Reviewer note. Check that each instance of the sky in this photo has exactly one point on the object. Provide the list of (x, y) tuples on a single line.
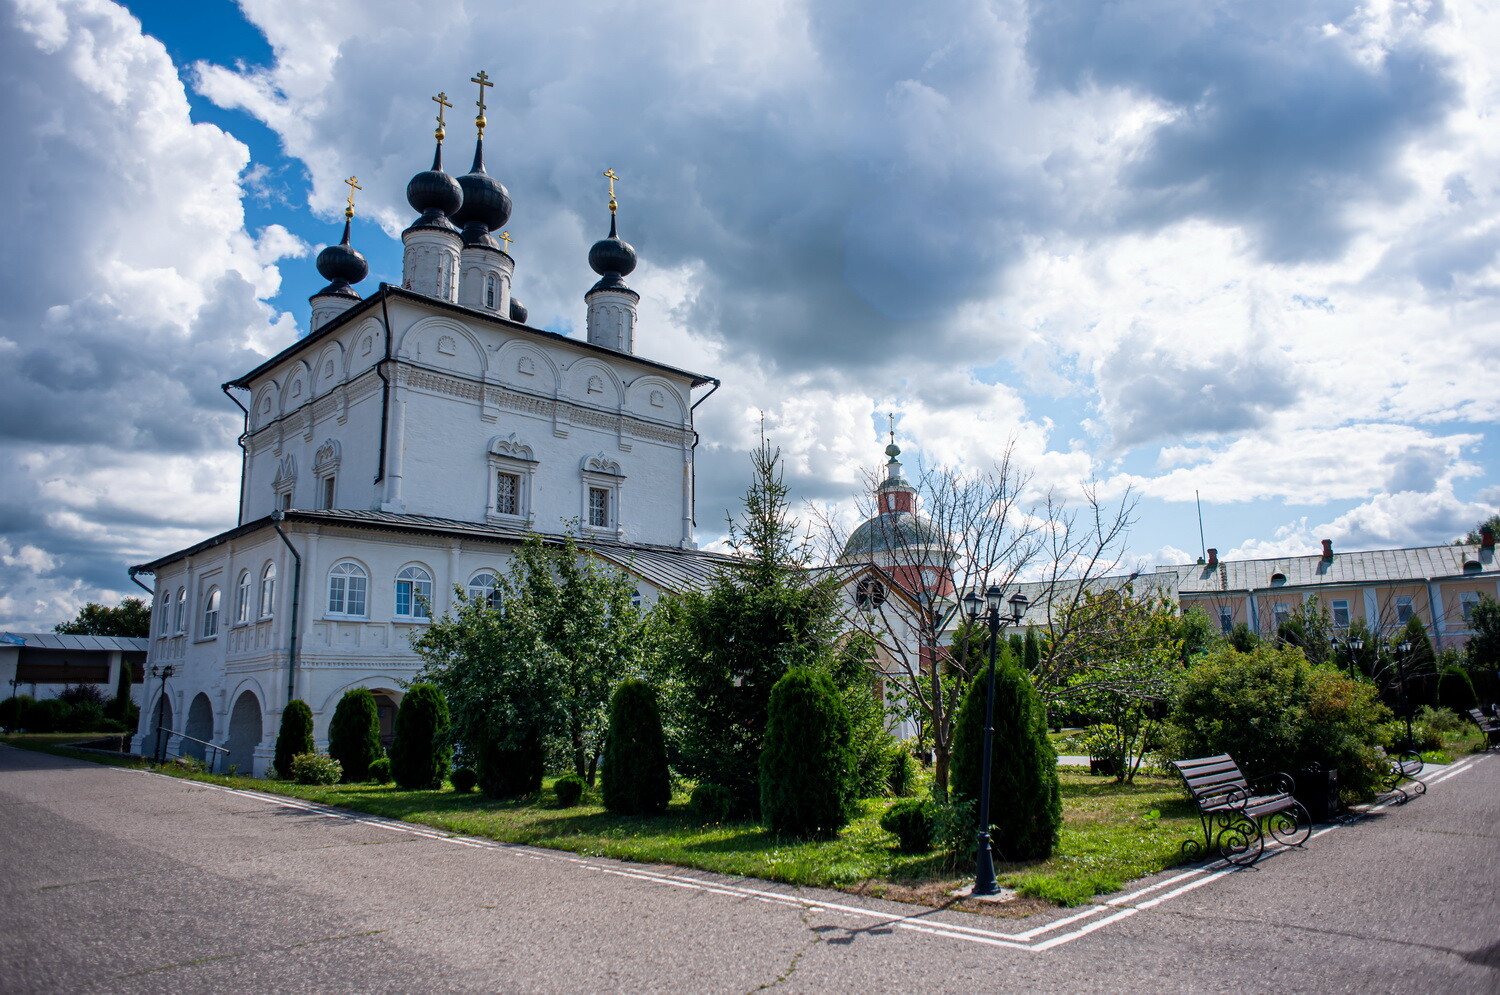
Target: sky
[(1240, 250)]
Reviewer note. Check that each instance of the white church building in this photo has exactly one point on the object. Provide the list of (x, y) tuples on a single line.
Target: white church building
[(406, 446)]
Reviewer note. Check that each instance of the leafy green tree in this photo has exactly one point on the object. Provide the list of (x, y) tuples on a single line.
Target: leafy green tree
[(807, 765), (420, 751), (1197, 633), (1309, 627), (354, 734), (131, 617), (636, 778), (1472, 537), (723, 649), (1243, 638), (295, 736), (1455, 690), (1025, 802), (875, 749), (1482, 654)]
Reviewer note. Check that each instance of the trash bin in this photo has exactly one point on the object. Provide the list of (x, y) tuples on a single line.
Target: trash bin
[(1318, 791)]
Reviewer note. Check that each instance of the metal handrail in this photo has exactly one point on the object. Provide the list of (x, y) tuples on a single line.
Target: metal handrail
[(193, 739)]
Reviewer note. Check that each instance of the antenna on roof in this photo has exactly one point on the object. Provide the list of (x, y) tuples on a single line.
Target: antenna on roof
[(1202, 542)]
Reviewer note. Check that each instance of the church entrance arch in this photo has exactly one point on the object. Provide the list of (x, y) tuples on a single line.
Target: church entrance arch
[(200, 725), (244, 732), (161, 726), (387, 701)]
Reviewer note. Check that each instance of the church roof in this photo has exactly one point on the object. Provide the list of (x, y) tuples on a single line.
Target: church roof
[(387, 290), (891, 530)]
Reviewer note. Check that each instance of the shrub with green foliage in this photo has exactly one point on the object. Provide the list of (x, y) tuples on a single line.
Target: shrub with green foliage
[(354, 734), (568, 790), (1455, 690), (712, 802), (901, 770), (464, 779), (636, 778), (295, 736), (1025, 803), (13, 711), (119, 706), (510, 771), (1272, 710), (380, 771), (48, 715), (911, 821), (807, 766), (421, 751), (316, 768)]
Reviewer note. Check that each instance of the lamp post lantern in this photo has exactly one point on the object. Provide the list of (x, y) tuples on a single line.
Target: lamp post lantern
[(984, 861), (161, 709), (1402, 649)]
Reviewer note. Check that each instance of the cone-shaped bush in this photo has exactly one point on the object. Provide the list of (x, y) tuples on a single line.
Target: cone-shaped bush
[(420, 751), (1455, 690), (636, 779), (119, 705), (295, 737), (354, 734), (807, 765), (1025, 806)]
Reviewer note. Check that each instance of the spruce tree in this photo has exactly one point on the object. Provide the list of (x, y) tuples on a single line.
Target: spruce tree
[(807, 766), (119, 705), (354, 734), (420, 751), (636, 778), (1025, 804), (295, 736), (1031, 653)]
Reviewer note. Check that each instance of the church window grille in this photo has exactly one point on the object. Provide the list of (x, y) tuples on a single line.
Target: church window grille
[(268, 590), (507, 491), (869, 594), (489, 292), (181, 619), (242, 599), (347, 585), (211, 614), (482, 587), (599, 507), (414, 593)]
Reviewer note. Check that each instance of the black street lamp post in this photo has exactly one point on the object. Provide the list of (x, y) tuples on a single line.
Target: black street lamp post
[(161, 708), (984, 861), (1402, 649)]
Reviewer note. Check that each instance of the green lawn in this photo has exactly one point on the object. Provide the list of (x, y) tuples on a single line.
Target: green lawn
[(1112, 833)]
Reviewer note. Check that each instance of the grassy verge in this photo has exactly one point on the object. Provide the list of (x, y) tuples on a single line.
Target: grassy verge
[(1111, 834)]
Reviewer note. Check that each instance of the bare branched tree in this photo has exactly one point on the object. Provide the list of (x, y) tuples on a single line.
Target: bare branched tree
[(923, 544)]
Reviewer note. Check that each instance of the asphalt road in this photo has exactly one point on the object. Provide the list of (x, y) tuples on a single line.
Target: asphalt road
[(118, 881)]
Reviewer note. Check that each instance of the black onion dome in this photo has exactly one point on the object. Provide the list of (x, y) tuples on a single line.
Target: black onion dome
[(341, 265), (518, 312), (486, 202), (434, 194), (612, 258)]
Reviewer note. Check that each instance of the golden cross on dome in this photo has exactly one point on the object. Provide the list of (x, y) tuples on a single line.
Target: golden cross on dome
[(891, 420), (613, 204), (442, 102), (483, 80), (505, 237), (353, 186)]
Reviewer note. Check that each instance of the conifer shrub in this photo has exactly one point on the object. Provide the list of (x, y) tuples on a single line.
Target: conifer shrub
[(568, 789), (354, 734), (901, 770), (911, 821), (295, 736), (807, 764), (464, 779), (380, 771), (48, 715), (13, 712), (712, 802), (316, 768), (1455, 690), (635, 774), (511, 771), (119, 705), (1025, 802), (421, 752)]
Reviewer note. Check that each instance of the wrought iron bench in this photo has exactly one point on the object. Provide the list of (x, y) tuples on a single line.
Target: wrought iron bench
[(1406, 765), (1236, 814), (1490, 727)]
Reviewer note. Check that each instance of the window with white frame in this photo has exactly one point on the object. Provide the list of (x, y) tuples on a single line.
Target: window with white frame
[(1404, 608), (242, 599), (347, 586), (181, 620), (1341, 614), (414, 593), (326, 466), (210, 627), (1467, 602), (268, 590), (1280, 612), (601, 479), (1226, 618), (483, 587), (635, 599), (512, 467)]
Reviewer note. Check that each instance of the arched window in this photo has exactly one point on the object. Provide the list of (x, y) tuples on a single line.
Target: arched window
[(346, 589), (268, 590), (181, 620), (211, 614), (489, 291), (482, 586), (242, 599), (869, 593), (414, 593), (635, 598)]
